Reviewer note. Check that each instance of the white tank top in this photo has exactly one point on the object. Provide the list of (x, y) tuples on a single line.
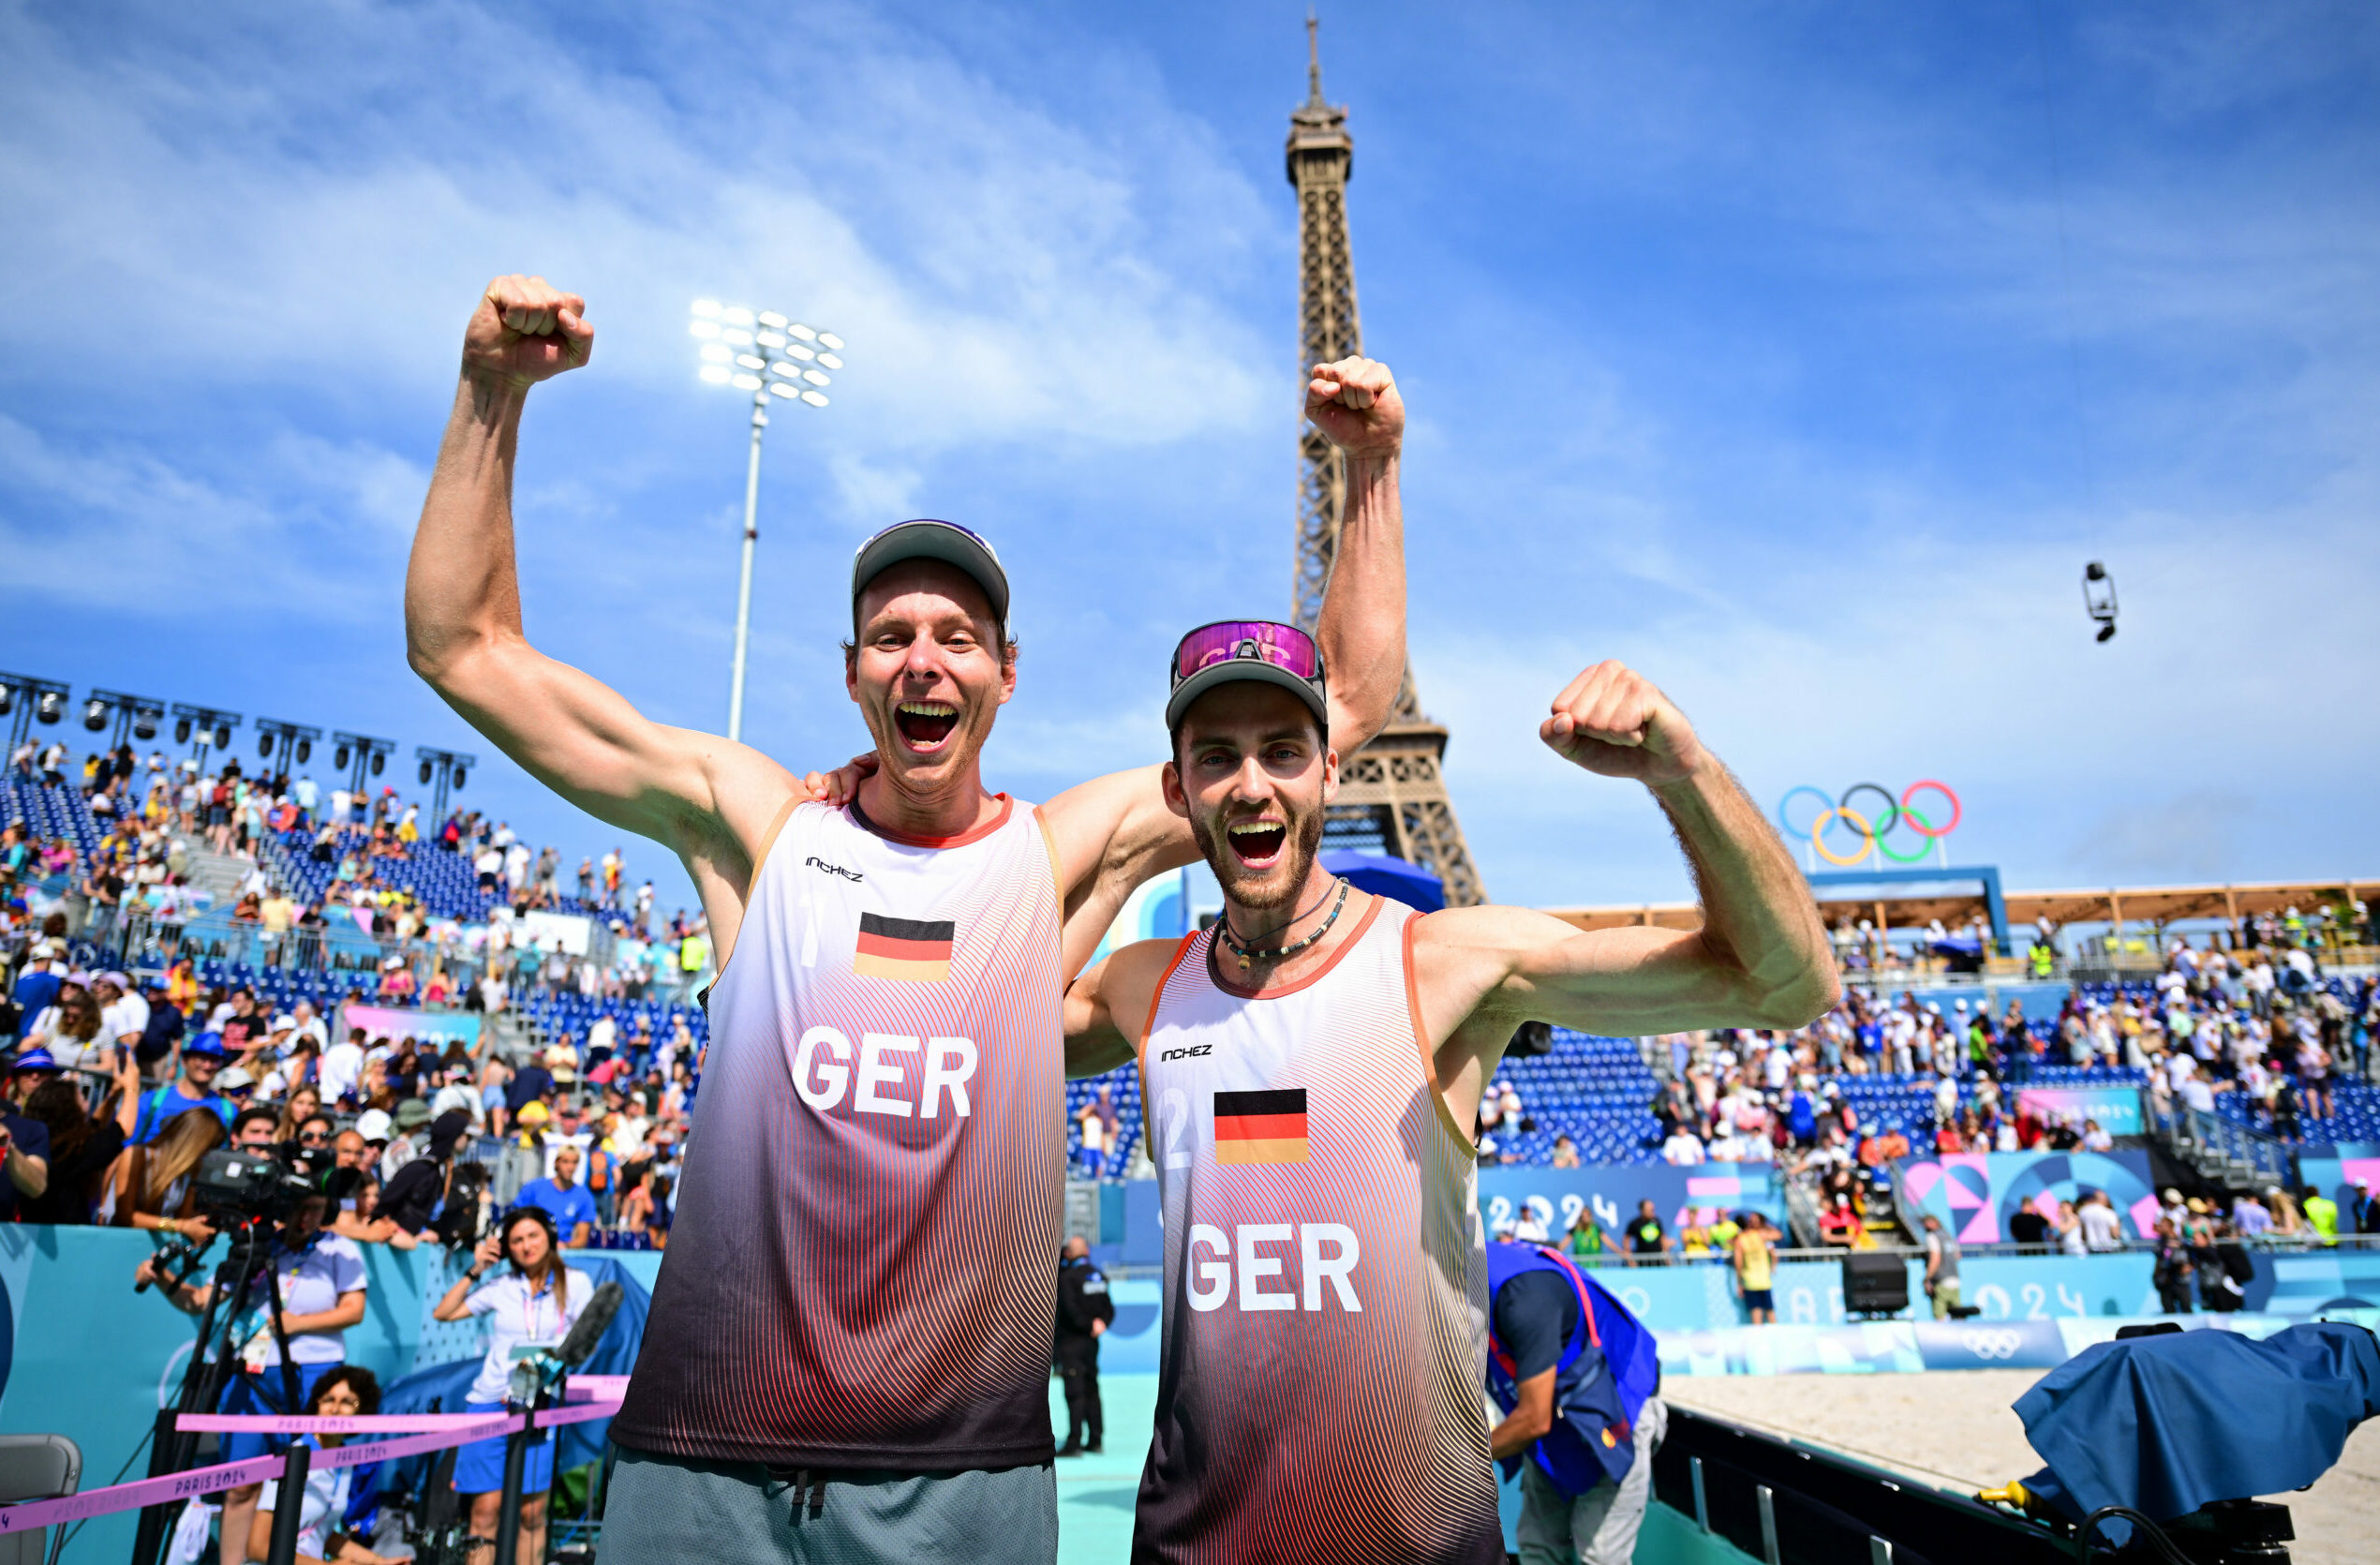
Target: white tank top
[(1320, 1394), (862, 1268)]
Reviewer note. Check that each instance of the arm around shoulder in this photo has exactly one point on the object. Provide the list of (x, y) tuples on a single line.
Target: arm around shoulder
[(1107, 1008)]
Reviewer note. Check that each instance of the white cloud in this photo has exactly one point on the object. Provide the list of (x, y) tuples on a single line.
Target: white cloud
[(998, 274)]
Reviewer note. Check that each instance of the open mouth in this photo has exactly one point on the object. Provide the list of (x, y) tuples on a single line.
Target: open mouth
[(1257, 843), (925, 724)]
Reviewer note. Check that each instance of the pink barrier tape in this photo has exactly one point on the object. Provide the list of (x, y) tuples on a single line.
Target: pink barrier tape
[(356, 1452), (147, 1491), (300, 1424), (598, 1388), (583, 1412), (442, 1430)]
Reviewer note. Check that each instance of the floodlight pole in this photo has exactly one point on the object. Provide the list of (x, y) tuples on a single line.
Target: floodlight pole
[(744, 585)]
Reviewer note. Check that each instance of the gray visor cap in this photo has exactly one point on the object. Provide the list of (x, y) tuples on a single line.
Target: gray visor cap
[(926, 538)]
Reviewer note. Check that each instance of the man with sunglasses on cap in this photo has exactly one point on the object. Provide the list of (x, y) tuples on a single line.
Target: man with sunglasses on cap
[(849, 1346), (1313, 1065)]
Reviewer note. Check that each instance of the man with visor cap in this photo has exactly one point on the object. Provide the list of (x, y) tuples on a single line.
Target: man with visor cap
[(849, 1347)]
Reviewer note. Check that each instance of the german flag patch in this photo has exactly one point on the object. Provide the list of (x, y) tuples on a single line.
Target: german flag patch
[(1261, 1127), (915, 950)]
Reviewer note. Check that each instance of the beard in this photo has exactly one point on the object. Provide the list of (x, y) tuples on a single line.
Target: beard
[(1272, 887)]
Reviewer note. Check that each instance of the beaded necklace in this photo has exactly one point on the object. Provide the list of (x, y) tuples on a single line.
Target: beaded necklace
[(1275, 952)]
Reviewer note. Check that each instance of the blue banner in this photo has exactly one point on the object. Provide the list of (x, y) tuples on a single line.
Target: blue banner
[(1974, 1194)]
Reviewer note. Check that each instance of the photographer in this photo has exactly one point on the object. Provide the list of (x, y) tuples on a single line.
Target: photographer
[(257, 1129), (320, 1281), (416, 1197), (532, 1305), (330, 1499)]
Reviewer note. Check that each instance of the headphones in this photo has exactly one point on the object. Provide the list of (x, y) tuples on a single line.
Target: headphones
[(537, 1214)]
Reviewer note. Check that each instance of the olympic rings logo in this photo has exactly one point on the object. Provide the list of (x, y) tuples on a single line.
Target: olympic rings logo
[(1991, 1344), (1872, 826)]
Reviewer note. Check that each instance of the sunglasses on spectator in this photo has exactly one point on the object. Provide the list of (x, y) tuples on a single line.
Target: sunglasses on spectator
[(313, 1138)]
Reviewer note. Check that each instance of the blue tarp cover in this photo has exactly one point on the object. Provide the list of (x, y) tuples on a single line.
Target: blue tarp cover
[(1394, 878), (2164, 1424)]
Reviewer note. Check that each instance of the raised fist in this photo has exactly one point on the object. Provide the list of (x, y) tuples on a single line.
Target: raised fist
[(1611, 721), (1355, 403), (526, 330)]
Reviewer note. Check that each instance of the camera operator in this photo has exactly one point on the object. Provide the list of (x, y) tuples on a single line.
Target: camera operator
[(532, 1305), (320, 1280), (255, 1129)]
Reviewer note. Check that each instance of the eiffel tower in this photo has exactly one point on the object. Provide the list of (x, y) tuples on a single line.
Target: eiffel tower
[(1392, 792)]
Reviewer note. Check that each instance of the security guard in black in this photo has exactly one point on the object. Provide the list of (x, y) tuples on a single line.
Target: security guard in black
[(1084, 1311)]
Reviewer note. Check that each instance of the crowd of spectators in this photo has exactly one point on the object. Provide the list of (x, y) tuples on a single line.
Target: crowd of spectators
[(119, 867), (1835, 1105), (2215, 1020), (115, 1091)]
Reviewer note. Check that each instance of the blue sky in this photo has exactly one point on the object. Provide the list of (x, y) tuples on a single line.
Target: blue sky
[(1742, 343)]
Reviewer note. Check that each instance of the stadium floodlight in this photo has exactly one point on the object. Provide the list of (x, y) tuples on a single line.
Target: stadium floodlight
[(294, 740), (24, 697), (448, 768), (769, 354), (203, 726), (358, 755), (131, 717)]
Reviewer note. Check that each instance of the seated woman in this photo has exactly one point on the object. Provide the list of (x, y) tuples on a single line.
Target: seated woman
[(331, 1512)]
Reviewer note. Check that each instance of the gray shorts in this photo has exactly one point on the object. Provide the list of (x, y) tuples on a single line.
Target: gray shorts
[(666, 1510)]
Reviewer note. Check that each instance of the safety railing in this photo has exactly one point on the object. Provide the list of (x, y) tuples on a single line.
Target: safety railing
[(2273, 1160)]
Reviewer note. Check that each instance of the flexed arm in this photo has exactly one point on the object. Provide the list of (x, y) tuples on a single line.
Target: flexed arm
[(1760, 959), (462, 623)]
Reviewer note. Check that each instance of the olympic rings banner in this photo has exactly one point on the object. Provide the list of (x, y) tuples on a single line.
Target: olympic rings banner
[(1872, 824)]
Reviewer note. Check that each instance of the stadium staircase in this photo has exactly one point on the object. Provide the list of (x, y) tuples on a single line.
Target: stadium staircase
[(2224, 1151), (217, 874)]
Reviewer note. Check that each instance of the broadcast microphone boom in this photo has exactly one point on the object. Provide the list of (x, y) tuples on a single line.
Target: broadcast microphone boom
[(533, 1374), (592, 1322)]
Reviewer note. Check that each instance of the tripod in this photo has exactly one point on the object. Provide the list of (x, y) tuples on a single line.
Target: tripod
[(211, 1358)]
